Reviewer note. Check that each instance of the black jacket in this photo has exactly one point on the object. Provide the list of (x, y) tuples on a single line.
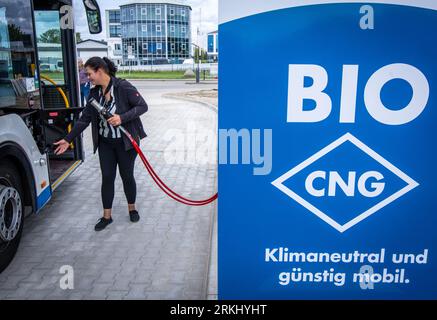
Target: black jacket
[(130, 106)]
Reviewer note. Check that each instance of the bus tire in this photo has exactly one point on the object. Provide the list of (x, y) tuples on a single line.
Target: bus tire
[(11, 212)]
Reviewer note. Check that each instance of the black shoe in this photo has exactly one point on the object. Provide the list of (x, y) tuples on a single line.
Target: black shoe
[(134, 216), (102, 224)]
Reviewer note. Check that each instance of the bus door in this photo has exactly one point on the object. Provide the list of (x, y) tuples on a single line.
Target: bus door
[(56, 50)]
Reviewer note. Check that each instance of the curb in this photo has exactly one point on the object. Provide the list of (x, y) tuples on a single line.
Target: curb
[(176, 97), (188, 81)]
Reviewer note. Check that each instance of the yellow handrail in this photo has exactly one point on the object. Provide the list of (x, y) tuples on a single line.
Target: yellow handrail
[(67, 104)]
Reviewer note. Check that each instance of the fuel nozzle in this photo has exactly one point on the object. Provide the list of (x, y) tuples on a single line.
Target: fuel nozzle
[(100, 109)]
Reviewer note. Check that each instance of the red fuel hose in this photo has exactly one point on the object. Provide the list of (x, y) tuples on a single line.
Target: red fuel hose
[(104, 112), (160, 183)]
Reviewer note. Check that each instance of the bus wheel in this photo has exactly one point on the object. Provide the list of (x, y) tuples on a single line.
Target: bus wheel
[(11, 213)]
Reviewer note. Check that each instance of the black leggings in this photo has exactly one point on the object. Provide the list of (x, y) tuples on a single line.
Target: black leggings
[(111, 154)]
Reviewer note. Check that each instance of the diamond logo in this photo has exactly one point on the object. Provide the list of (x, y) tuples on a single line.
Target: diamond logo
[(345, 183)]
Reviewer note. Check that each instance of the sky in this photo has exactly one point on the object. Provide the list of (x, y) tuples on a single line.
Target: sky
[(46, 20), (204, 17)]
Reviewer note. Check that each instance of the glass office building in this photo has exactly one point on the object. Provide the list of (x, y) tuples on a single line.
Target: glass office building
[(113, 23), (155, 33), (113, 35)]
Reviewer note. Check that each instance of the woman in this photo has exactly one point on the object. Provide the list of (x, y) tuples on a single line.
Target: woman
[(126, 104), (84, 83)]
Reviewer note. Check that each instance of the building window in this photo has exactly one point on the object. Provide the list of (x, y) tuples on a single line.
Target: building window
[(131, 12), (172, 29), (172, 12), (183, 12), (144, 11), (183, 29), (144, 27), (117, 47), (158, 11), (145, 47), (158, 28), (172, 47), (183, 47), (159, 48), (114, 31), (114, 16)]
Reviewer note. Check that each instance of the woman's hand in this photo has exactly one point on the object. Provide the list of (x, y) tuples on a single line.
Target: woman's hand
[(62, 146), (115, 120)]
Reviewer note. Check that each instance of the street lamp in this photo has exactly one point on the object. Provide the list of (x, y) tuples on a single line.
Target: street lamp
[(198, 63)]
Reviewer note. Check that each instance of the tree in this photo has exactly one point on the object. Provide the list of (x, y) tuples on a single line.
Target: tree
[(15, 33), (204, 55), (196, 54), (201, 55), (50, 36)]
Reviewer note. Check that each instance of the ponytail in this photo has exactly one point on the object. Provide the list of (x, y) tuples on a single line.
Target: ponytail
[(112, 69)]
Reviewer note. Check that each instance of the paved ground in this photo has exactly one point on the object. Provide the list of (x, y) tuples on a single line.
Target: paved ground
[(164, 256), (208, 97)]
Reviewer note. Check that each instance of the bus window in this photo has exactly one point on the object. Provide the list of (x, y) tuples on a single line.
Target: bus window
[(18, 79), (49, 45)]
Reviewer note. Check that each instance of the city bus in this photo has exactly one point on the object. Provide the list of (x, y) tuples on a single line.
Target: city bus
[(38, 106)]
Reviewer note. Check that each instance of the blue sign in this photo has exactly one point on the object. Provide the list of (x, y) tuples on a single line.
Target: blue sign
[(327, 155)]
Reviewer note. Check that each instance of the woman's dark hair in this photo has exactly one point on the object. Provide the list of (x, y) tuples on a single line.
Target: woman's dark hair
[(107, 65)]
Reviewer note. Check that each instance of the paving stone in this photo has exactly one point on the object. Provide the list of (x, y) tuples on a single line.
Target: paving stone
[(163, 256)]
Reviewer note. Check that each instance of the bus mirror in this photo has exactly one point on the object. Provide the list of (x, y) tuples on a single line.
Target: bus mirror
[(93, 16)]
